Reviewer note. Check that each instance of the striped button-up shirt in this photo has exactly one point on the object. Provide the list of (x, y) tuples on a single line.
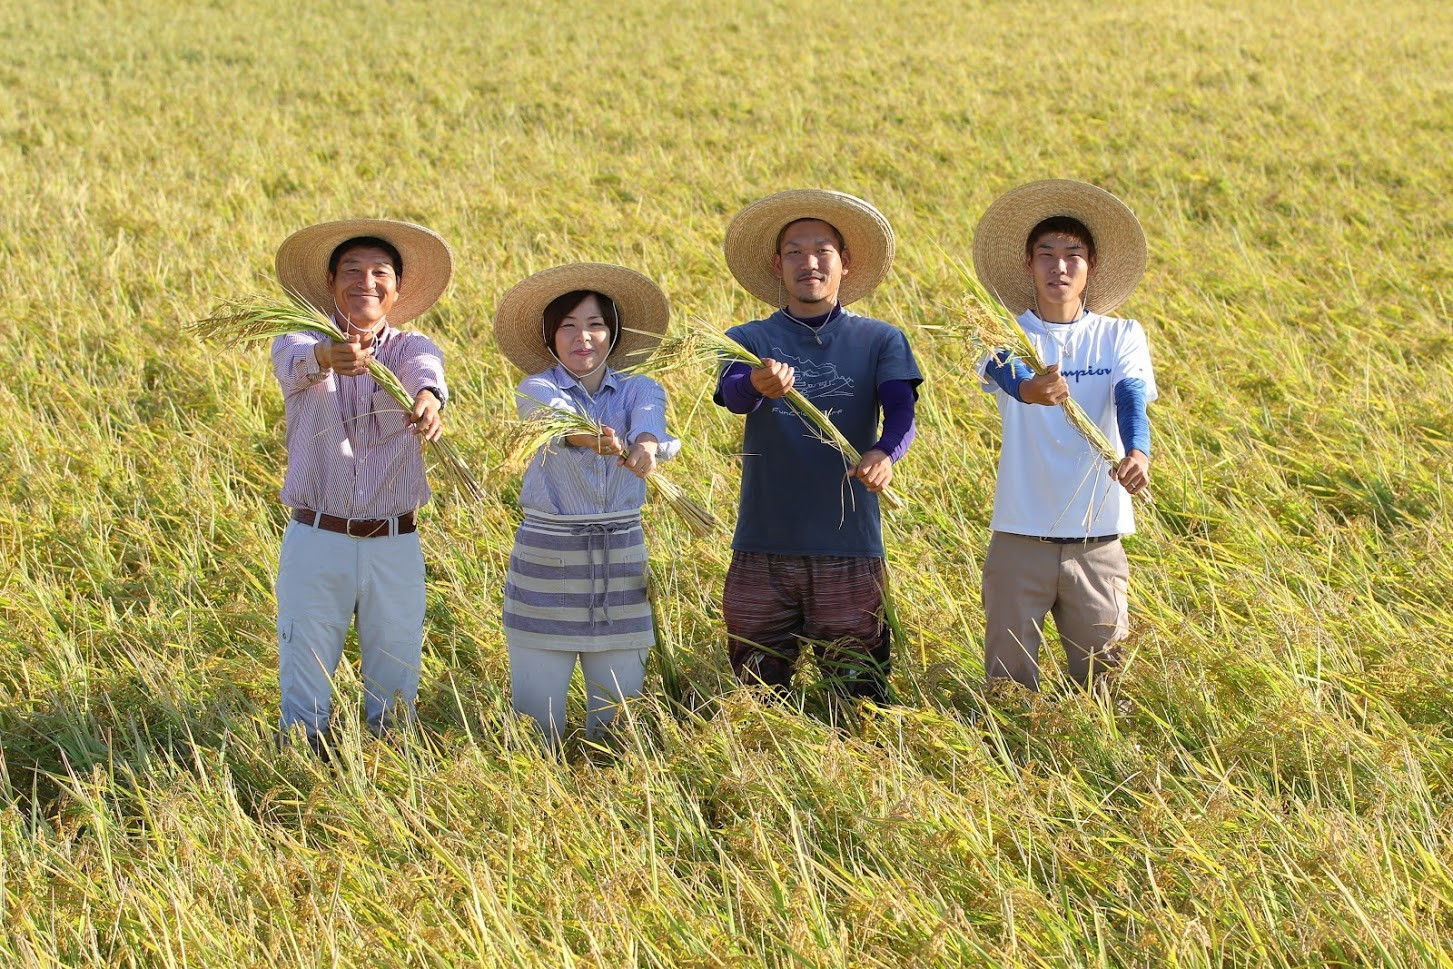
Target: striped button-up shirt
[(565, 480), (350, 453)]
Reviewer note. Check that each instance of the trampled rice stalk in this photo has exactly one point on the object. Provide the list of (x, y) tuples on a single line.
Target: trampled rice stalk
[(547, 424), (235, 322), (993, 329), (703, 345)]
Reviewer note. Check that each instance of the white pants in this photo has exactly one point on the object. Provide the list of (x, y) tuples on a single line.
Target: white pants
[(324, 580), (540, 680)]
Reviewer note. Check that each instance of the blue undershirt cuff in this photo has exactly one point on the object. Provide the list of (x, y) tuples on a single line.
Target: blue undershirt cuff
[(1008, 372)]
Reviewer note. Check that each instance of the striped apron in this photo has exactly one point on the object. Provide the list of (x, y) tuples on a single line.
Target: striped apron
[(578, 583)]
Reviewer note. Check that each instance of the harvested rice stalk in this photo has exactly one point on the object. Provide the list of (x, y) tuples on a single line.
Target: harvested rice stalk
[(995, 330), (235, 322), (547, 424), (703, 344)]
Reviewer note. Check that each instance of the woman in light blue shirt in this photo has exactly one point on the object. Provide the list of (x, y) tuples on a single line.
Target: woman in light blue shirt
[(576, 588)]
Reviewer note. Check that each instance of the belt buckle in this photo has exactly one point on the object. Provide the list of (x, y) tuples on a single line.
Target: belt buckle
[(374, 527)]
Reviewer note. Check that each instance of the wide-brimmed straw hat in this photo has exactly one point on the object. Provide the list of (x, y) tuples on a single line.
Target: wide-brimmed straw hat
[(1004, 229), (302, 262), (641, 308), (751, 240)]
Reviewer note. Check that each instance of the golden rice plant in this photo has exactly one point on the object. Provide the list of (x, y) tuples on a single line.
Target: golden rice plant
[(703, 345), (994, 330), (547, 424), (235, 322)]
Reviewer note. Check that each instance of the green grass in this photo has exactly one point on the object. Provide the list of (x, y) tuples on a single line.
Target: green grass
[(1276, 790)]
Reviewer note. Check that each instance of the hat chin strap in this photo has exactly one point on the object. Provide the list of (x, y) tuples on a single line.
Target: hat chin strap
[(342, 314)]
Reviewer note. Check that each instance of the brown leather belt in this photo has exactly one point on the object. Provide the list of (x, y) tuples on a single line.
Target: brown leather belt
[(356, 527)]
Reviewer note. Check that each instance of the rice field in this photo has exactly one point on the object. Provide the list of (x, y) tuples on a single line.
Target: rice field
[(1274, 786)]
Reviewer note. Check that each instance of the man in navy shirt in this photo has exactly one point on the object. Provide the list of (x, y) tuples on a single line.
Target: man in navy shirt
[(807, 556)]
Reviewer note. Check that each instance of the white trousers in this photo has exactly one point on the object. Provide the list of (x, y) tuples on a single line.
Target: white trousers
[(324, 581), (540, 681)]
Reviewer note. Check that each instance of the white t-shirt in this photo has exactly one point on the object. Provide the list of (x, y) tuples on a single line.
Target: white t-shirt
[(1051, 482)]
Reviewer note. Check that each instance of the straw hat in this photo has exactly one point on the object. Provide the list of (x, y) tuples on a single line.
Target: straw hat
[(751, 240), (302, 262), (1004, 229), (519, 323)]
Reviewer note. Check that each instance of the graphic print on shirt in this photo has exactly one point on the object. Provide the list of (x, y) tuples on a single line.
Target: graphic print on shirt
[(814, 380), (1075, 375)]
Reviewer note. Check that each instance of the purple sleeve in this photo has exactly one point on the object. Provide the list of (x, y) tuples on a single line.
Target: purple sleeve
[(899, 428), (734, 390)]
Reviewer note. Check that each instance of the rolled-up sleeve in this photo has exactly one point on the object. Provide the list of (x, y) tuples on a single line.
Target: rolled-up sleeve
[(294, 363), (648, 416), (422, 365)]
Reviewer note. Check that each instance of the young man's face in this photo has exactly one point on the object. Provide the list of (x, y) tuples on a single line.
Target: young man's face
[(811, 263), (364, 286), (1061, 267)]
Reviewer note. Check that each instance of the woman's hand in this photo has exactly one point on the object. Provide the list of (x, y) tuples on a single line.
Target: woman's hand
[(640, 457), (606, 443)]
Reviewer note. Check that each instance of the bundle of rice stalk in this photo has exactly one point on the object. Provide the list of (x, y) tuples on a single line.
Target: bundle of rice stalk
[(703, 344), (994, 330), (548, 424), (235, 322)]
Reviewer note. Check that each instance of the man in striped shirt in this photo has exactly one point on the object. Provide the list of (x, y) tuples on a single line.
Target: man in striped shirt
[(355, 472)]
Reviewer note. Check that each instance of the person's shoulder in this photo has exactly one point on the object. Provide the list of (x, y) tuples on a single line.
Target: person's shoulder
[(754, 333), (871, 328), (414, 340), (1117, 322), (752, 326), (636, 382), (545, 379), (1121, 326)]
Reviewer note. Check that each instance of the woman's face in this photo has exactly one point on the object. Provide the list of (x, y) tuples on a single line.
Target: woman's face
[(583, 340)]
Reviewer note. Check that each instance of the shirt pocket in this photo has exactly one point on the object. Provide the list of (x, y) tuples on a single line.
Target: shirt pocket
[(387, 415)]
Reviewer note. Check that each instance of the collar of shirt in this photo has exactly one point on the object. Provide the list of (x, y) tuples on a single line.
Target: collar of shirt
[(566, 380), (816, 321)]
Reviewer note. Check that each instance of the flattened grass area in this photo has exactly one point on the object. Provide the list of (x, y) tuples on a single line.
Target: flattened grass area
[(1273, 787)]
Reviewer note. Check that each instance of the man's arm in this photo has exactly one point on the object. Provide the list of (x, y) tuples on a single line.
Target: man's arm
[(1133, 471), (899, 429), (742, 386)]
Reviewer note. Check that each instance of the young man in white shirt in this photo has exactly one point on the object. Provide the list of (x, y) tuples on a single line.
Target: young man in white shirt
[(1063, 254)]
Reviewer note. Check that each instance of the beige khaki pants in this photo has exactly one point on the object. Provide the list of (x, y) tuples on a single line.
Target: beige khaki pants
[(1082, 585)]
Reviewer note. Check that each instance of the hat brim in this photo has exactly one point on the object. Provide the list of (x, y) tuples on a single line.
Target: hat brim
[(641, 307), (1003, 231), (751, 241), (302, 263)]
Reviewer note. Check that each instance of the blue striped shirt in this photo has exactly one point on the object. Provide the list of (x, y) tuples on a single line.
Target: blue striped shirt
[(566, 480)]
